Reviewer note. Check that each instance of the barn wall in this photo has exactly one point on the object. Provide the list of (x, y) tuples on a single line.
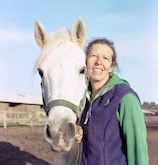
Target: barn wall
[(20, 107)]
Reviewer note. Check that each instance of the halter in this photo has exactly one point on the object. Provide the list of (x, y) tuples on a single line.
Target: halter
[(61, 102)]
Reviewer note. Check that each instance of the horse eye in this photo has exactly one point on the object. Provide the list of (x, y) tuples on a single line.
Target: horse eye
[(83, 70), (40, 72)]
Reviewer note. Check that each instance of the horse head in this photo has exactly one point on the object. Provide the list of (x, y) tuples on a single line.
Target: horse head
[(62, 68)]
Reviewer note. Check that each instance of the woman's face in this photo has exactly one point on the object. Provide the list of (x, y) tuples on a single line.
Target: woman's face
[(99, 63)]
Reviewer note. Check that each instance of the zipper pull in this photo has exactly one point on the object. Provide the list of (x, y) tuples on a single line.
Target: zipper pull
[(87, 117)]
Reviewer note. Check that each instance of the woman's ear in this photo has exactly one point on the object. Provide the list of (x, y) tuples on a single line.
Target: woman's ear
[(112, 67)]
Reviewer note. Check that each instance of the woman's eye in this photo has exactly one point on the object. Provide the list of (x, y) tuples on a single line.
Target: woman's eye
[(105, 58)]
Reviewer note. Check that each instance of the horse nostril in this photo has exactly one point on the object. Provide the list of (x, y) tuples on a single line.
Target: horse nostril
[(71, 130), (48, 131)]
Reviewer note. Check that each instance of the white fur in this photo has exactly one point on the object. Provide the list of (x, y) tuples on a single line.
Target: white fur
[(60, 62)]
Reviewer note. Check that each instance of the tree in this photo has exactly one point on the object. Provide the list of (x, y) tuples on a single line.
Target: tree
[(150, 106)]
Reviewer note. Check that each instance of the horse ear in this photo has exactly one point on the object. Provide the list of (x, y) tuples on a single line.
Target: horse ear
[(78, 32), (40, 33)]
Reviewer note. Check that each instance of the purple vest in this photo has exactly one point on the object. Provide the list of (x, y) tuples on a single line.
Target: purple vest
[(103, 141)]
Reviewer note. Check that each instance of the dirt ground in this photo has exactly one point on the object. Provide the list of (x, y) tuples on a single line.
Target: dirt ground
[(27, 146)]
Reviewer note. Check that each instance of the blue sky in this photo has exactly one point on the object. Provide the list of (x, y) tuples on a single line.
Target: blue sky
[(132, 25)]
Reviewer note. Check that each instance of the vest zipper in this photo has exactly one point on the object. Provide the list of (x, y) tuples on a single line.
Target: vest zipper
[(89, 112)]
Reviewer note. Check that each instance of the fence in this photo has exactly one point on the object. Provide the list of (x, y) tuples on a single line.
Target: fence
[(24, 118), (39, 118), (151, 119)]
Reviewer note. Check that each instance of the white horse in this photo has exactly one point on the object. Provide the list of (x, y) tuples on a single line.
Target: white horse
[(62, 68)]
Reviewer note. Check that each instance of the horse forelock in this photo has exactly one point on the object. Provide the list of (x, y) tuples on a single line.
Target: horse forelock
[(54, 40)]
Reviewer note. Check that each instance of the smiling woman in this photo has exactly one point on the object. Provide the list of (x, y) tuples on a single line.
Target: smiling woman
[(101, 60), (95, 58), (114, 130)]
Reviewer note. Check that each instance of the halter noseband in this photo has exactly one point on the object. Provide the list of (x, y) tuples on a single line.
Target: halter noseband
[(61, 102)]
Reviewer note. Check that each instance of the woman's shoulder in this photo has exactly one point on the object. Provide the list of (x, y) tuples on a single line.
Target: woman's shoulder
[(125, 90)]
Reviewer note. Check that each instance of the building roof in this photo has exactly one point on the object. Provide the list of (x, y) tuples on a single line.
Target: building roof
[(148, 112), (20, 98)]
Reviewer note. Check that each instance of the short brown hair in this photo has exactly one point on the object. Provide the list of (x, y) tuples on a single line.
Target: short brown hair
[(106, 42)]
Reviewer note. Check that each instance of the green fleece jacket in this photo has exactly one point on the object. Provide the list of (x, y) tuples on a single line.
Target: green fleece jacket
[(131, 120)]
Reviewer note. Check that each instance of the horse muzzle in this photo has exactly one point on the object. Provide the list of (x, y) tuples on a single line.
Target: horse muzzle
[(61, 140)]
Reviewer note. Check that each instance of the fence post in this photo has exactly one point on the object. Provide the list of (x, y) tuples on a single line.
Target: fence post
[(30, 115), (31, 123), (5, 121)]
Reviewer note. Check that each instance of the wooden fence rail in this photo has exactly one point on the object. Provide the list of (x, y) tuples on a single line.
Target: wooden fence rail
[(151, 119), (26, 118)]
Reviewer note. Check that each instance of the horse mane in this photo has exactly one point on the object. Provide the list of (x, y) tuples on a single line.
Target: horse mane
[(54, 40)]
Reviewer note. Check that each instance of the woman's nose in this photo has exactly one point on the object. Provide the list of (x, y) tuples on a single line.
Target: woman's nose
[(99, 60)]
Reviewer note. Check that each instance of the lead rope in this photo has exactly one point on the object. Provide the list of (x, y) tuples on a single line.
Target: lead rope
[(79, 147)]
